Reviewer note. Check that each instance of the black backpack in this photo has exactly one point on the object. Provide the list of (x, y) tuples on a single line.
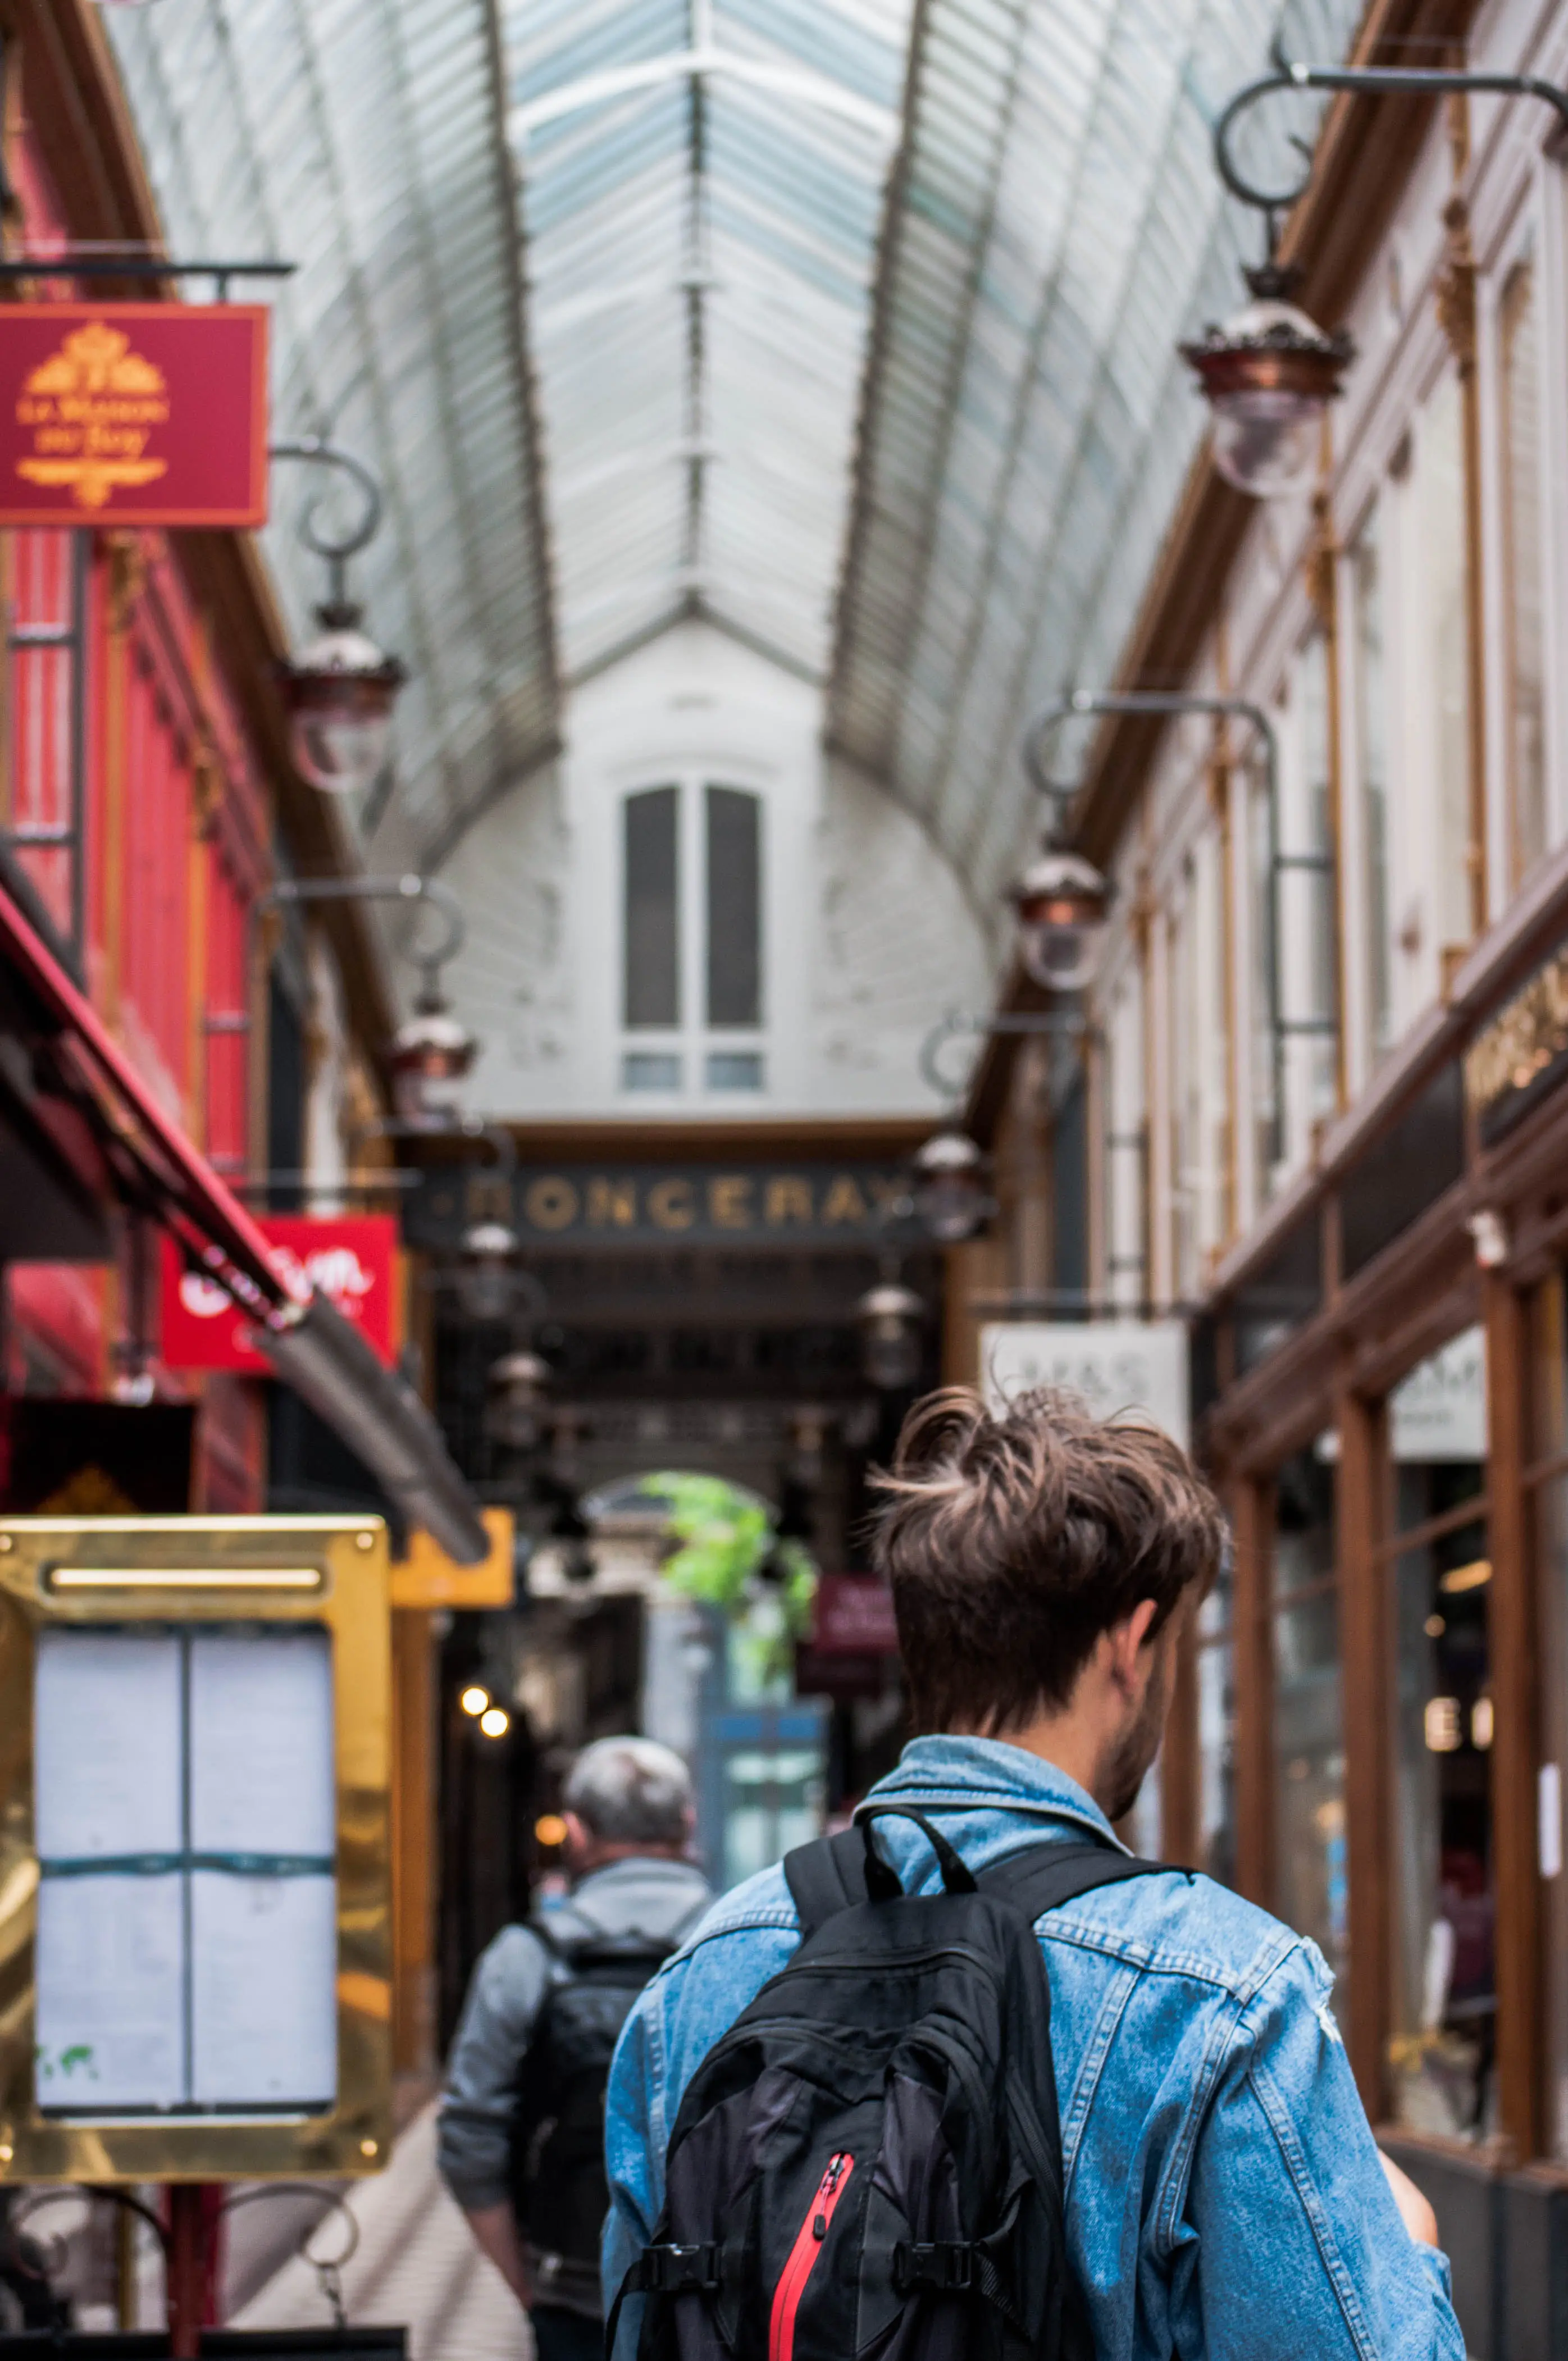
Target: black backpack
[(559, 2191), (869, 2162)]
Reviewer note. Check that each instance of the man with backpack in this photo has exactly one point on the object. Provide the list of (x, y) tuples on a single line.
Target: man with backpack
[(521, 2134), (967, 2081)]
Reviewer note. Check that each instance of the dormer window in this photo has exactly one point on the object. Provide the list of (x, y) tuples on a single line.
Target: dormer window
[(691, 989)]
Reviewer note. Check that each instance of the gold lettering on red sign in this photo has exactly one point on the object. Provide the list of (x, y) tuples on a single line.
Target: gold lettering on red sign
[(91, 409)]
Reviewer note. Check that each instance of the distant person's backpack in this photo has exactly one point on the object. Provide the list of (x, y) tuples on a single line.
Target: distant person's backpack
[(559, 2191), (869, 2163)]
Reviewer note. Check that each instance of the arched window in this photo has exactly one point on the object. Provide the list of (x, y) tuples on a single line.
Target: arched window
[(692, 957)]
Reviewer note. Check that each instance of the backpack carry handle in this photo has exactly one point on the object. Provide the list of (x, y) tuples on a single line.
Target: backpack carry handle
[(883, 1881)]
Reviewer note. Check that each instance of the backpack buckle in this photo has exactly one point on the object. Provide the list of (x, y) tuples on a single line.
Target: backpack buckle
[(679, 2270), (943, 2267)]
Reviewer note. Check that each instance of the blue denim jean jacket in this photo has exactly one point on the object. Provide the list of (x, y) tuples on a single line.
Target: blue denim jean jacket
[(1224, 2195)]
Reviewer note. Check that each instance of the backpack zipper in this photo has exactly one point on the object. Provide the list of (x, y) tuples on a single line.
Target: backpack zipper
[(808, 2244)]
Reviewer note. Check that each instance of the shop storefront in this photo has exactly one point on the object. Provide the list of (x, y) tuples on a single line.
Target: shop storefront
[(1377, 1695)]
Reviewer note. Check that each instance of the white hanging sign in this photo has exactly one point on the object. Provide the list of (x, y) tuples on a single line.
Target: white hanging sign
[(1440, 1411), (1137, 1366)]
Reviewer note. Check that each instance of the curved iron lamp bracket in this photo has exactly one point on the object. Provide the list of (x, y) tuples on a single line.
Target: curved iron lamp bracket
[(493, 1135), (1172, 703), (1168, 702), (954, 1026), (335, 548), (1419, 81), (408, 887)]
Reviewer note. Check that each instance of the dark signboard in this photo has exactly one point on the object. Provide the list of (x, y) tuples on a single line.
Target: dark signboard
[(94, 1458), (578, 1205), (1522, 1054)]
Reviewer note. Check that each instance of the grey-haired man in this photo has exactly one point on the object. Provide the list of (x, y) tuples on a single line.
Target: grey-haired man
[(520, 2123)]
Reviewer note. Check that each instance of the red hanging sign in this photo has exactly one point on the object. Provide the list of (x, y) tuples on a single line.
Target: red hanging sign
[(133, 414), (352, 1261)]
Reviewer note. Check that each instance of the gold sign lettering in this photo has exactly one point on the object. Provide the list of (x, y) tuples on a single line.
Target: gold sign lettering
[(552, 1202), (670, 1205), (843, 1201), (788, 1200), (1521, 1042), (90, 407), (613, 1204), (730, 1201)]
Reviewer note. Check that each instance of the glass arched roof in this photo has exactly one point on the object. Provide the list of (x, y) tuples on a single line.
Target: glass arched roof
[(850, 323), (700, 185), (1029, 424)]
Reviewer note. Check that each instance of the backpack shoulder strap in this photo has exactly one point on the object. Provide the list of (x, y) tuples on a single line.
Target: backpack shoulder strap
[(825, 1876), (559, 1944), (1046, 1875)]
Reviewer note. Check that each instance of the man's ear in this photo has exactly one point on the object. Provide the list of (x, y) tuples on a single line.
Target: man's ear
[(578, 1838), (1128, 1640)]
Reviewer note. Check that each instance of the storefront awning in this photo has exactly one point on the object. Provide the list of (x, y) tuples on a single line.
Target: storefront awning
[(161, 1172)]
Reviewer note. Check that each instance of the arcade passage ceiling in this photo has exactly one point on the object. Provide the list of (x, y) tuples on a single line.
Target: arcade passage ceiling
[(850, 323)]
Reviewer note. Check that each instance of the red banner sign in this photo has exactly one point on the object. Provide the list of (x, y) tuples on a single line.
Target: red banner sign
[(134, 414), (854, 1616), (352, 1262)]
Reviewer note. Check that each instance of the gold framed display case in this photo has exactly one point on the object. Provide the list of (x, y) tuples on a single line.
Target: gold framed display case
[(186, 1576)]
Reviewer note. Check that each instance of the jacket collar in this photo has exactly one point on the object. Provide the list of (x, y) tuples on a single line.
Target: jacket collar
[(987, 1774), (645, 1892)]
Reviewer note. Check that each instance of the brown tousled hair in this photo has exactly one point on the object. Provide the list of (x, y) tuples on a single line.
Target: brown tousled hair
[(1013, 1538)]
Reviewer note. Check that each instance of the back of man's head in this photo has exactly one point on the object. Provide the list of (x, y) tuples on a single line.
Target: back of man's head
[(631, 1791), (1011, 1539)]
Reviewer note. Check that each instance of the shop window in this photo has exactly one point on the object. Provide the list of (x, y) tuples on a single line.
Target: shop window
[(692, 936), (1275, 1300), (1070, 1191), (1293, 926), (1522, 490), (734, 908), (1371, 741), (226, 1019), (156, 886), (1313, 1893), (1198, 1059), (1395, 1180), (1444, 1999), (1440, 669), (1216, 1670), (1547, 1482), (653, 910), (48, 719), (1126, 1148)]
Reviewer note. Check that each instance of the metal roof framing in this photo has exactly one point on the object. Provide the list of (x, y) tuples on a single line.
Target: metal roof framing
[(369, 138)]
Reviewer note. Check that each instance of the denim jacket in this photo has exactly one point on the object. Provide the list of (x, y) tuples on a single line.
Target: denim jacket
[(1224, 2195)]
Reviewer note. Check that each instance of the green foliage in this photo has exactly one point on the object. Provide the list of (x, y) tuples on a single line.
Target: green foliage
[(724, 1541)]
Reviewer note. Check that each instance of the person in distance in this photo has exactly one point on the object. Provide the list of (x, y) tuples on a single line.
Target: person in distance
[(521, 2128)]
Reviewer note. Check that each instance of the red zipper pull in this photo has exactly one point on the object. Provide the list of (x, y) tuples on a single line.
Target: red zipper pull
[(830, 2179), (803, 2257)]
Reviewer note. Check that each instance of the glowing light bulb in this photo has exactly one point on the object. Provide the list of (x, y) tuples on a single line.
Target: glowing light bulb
[(475, 1700)]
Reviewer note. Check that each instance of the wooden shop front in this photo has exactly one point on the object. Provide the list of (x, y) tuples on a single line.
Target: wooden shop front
[(1375, 1710)]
